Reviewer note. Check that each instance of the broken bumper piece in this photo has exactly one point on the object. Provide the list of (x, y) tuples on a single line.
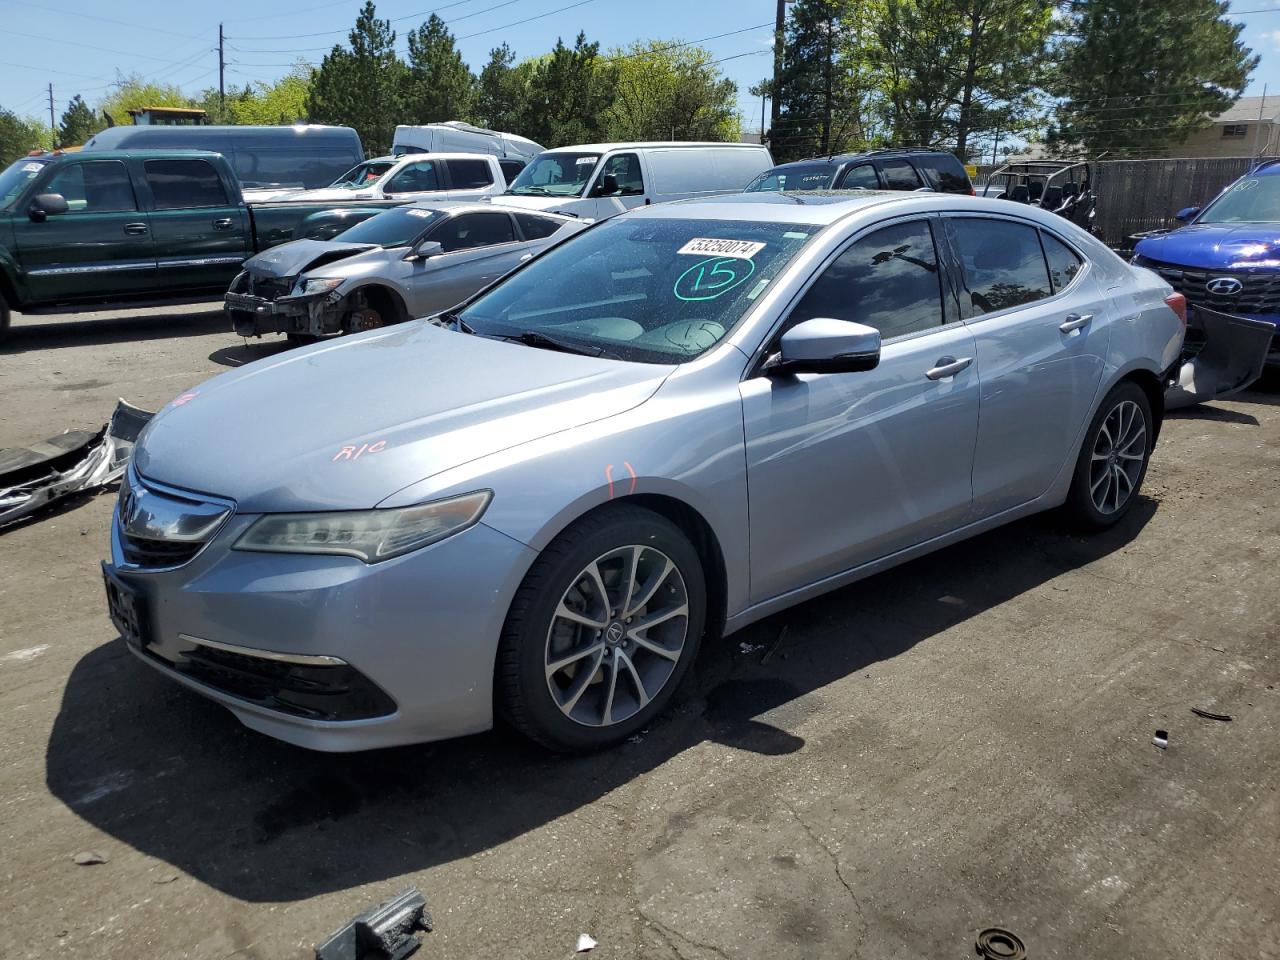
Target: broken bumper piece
[(384, 933), (252, 316), (70, 463), (1226, 354)]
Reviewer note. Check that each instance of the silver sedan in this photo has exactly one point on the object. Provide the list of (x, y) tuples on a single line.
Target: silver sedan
[(675, 423), (406, 262)]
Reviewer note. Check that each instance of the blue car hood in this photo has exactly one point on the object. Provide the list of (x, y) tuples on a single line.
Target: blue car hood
[(1216, 246), (343, 425)]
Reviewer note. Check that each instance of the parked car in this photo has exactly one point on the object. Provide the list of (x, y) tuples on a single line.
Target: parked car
[(1225, 257), (117, 227), (889, 169), (454, 136), (303, 155), (1066, 188), (408, 262), (600, 180), (676, 422), (439, 176)]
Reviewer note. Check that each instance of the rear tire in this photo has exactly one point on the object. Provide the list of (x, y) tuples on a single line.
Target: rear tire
[(1113, 460), (602, 631), (4, 319)]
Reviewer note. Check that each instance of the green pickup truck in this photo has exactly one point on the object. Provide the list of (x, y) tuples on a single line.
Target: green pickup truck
[(115, 228)]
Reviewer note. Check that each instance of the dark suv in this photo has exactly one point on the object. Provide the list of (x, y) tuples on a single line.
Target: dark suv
[(895, 169)]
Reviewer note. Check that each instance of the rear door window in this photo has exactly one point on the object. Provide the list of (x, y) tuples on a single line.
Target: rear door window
[(511, 168), (889, 280), (863, 175), (899, 175), (1063, 262), (184, 184), (472, 230), (1004, 266), (537, 228), (944, 173), (95, 186), (469, 174), (414, 178)]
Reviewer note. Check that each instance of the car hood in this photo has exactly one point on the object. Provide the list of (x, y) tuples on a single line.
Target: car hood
[(533, 203), (343, 425), (291, 259), (327, 193), (1216, 246)]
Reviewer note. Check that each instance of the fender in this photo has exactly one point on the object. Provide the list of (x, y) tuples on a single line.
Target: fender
[(13, 285)]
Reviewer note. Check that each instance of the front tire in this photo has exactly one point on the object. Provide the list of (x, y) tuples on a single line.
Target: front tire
[(4, 319), (1113, 459), (602, 631)]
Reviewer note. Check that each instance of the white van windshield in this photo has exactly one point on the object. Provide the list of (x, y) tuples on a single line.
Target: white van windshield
[(556, 175)]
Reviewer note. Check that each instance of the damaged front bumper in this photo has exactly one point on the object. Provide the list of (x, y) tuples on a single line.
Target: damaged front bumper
[(312, 314), (1224, 355)]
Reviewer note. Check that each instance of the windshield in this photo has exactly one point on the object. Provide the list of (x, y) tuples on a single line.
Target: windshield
[(816, 176), (363, 174), (1250, 200), (656, 291), (397, 227), (555, 175), (15, 179)]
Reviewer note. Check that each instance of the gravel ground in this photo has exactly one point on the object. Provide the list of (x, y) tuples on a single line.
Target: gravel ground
[(961, 743)]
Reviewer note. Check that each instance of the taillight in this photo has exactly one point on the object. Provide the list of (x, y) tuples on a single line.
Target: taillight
[(1178, 304)]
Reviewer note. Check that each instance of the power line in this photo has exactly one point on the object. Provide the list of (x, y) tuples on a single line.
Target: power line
[(580, 3), (330, 33), (91, 16)]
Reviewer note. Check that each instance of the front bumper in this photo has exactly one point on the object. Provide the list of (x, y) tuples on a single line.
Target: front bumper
[(252, 315), (279, 639)]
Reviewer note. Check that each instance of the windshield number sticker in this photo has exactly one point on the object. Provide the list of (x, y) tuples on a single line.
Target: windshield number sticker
[(712, 278), (583, 161), (32, 167), (418, 212), (702, 246)]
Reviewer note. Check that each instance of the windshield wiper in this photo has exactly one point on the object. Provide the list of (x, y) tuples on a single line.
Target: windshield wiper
[(445, 319), (536, 338), (530, 188)]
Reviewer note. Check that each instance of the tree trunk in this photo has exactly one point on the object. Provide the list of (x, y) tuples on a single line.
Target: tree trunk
[(964, 121)]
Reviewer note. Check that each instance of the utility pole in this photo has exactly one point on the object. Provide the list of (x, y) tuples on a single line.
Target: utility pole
[(762, 126), (53, 124), (222, 66), (779, 33)]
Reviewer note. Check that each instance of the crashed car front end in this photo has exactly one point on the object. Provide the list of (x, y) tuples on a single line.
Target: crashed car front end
[(291, 305)]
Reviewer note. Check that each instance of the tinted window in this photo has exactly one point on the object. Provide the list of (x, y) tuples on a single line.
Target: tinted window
[(863, 175), (97, 186), (1063, 263), (182, 184), (888, 280), (626, 168), (536, 228), (394, 228), (814, 176), (944, 173), (413, 178), (1003, 264), (899, 175), (469, 174), (473, 230), (511, 168)]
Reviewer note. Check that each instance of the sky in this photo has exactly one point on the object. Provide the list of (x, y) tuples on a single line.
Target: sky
[(82, 46)]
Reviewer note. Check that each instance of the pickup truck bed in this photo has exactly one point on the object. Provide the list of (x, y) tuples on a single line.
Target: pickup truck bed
[(109, 228)]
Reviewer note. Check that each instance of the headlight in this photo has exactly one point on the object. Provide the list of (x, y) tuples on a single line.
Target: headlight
[(313, 287), (371, 535)]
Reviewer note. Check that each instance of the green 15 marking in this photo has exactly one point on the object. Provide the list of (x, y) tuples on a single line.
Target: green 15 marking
[(711, 278)]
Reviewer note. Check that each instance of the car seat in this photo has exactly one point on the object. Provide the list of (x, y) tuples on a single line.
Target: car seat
[(1019, 194), (1052, 198)]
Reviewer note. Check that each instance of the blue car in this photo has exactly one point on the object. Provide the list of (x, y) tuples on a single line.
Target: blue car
[(1227, 257)]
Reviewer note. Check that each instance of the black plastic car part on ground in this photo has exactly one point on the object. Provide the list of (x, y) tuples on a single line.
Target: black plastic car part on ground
[(903, 168)]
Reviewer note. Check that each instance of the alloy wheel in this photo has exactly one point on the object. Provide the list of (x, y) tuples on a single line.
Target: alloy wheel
[(1119, 452), (617, 635)]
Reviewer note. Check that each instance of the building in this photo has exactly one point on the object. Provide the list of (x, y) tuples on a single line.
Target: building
[(1249, 127), (168, 116)]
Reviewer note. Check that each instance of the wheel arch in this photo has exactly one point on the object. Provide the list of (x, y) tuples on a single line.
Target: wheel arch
[(1150, 384), (383, 298)]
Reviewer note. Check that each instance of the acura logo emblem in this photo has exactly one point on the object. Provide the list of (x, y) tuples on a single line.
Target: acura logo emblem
[(615, 632), (1224, 286)]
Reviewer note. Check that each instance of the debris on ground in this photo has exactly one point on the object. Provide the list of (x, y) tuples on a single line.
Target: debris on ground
[(87, 858), (71, 462), (782, 637), (1201, 712), (1161, 739), (997, 944), (385, 932), (586, 943)]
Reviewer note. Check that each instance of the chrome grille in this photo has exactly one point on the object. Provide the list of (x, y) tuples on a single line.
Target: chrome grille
[(159, 528), (1259, 292)]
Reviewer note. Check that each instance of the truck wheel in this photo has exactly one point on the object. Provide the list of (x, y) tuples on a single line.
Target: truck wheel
[(4, 319)]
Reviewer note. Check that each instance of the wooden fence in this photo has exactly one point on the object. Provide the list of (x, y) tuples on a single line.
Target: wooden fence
[(1137, 195)]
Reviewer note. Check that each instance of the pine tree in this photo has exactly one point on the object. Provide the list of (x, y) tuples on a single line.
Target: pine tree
[(1140, 75), (569, 92), (501, 90), (439, 86), (78, 123)]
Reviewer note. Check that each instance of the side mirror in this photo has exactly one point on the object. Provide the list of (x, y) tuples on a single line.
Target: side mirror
[(426, 250), (47, 205), (825, 345), (1186, 214), (606, 185)]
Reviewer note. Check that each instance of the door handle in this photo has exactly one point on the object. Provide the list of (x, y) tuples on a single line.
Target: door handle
[(135, 229), (1074, 321), (948, 367), (224, 223)]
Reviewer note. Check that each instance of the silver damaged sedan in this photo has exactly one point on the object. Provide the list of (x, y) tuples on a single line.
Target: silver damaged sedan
[(676, 422)]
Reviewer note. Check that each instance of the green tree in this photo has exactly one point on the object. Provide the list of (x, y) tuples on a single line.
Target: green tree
[(134, 92), (569, 94), (284, 101), (359, 86), (1139, 75), (502, 90), (439, 86), (78, 123), (19, 136), (667, 91)]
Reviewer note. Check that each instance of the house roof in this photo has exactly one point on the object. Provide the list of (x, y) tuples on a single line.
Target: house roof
[(1246, 108)]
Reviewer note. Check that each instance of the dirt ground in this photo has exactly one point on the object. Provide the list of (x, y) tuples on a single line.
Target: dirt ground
[(963, 742)]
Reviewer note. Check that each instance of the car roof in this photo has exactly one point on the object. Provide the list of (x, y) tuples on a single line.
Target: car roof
[(812, 207), (169, 153), (839, 158), (433, 155), (650, 145), (480, 206)]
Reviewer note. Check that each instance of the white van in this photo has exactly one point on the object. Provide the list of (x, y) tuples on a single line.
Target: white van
[(602, 179), (454, 136)]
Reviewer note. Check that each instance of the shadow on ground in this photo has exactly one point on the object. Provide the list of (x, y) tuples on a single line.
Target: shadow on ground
[(177, 778), (248, 351), (49, 332)]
